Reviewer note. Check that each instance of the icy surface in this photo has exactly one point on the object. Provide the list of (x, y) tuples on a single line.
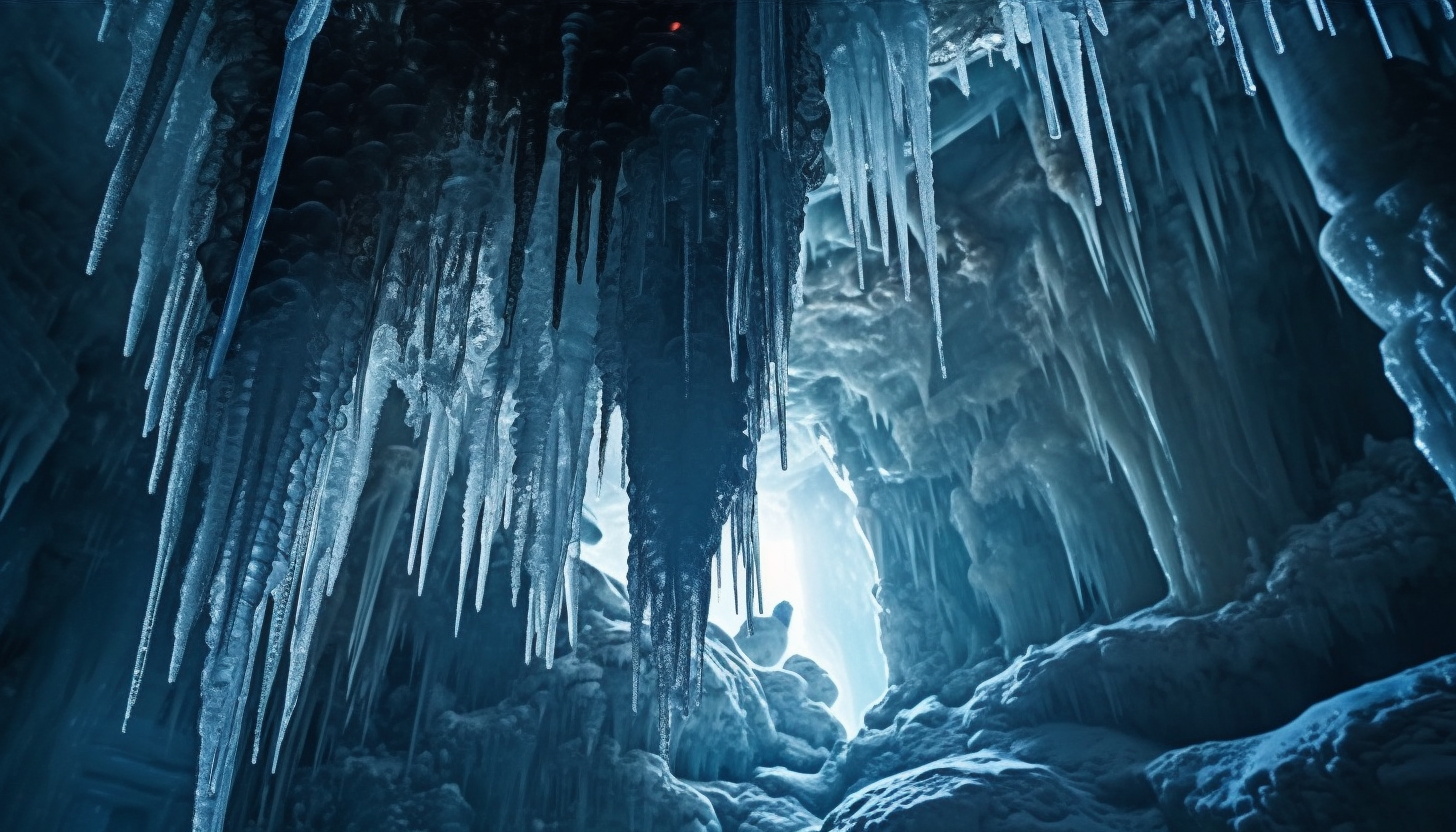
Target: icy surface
[(982, 791), (1382, 755)]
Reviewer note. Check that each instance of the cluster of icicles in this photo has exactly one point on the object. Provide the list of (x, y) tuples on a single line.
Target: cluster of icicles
[(1059, 32), (266, 424), (284, 447)]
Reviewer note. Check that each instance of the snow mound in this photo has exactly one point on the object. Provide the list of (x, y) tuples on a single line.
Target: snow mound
[(983, 792)]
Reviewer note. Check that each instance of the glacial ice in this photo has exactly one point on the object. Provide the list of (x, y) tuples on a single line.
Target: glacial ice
[(684, 229)]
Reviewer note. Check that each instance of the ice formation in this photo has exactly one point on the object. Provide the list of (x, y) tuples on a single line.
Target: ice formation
[(876, 82), (386, 233), (1059, 35), (440, 279)]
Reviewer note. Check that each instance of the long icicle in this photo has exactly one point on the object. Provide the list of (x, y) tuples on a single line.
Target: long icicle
[(305, 24)]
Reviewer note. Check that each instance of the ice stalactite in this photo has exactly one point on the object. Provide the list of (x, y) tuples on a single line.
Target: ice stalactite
[(876, 81), (1137, 415), (156, 69), (424, 261), (556, 387), (667, 246), (768, 197), (1058, 35), (305, 24), (699, 372)]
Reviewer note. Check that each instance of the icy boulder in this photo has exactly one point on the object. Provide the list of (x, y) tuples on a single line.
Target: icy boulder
[(666, 802), (1382, 756), (731, 730), (806, 729), (765, 638), (742, 807), (819, 687), (919, 735)]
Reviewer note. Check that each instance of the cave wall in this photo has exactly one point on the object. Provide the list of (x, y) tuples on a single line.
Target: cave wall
[(1137, 404)]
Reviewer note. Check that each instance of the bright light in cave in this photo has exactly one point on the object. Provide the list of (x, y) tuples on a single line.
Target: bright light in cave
[(781, 575), (834, 627)]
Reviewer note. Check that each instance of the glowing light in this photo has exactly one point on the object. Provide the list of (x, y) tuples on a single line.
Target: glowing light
[(674, 26)]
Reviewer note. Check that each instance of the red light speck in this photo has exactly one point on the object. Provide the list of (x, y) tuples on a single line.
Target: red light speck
[(674, 26)]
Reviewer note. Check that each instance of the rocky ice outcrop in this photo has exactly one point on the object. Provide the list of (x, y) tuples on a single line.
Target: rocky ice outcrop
[(986, 793), (1077, 734), (818, 685), (1381, 756)]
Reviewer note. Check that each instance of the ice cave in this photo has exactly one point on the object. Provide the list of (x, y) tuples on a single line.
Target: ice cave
[(727, 415)]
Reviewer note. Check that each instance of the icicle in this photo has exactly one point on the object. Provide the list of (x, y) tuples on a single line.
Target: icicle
[(147, 269), (880, 101), (397, 470), (1329, 19), (179, 375), (1315, 13), (1043, 72), (1379, 30), (917, 90), (1216, 31), (177, 487), (1273, 27), (1239, 54), (226, 426), (140, 120), (497, 506), (105, 27), (306, 22), (1063, 37), (1102, 103)]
